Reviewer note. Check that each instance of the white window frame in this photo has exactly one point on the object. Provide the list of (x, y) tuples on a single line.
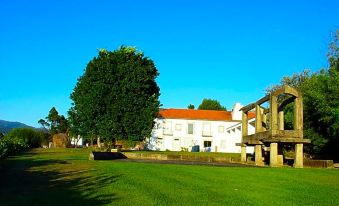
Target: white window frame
[(190, 123), (206, 129)]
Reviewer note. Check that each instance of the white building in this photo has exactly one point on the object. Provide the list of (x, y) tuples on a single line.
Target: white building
[(78, 141), (215, 131)]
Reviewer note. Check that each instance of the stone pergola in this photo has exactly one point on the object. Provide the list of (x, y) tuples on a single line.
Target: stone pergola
[(269, 127)]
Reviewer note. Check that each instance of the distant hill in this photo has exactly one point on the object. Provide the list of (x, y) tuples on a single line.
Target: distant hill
[(6, 126)]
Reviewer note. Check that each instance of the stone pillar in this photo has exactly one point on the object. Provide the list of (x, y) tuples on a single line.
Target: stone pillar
[(258, 120), (243, 153), (244, 123), (98, 142), (274, 154), (299, 156), (281, 120), (264, 119), (258, 156), (273, 113), (280, 160)]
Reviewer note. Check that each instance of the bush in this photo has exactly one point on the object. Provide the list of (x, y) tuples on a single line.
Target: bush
[(20, 139), (30, 137), (10, 146)]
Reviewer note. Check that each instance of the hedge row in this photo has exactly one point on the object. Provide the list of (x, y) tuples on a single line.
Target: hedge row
[(11, 146), (20, 139)]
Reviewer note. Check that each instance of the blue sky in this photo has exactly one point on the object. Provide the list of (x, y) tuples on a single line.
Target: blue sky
[(225, 50)]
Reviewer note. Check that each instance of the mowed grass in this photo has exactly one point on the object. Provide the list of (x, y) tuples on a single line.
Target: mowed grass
[(66, 177)]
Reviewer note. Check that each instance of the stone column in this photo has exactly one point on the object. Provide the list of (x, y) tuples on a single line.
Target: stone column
[(299, 156), (273, 113), (281, 120), (243, 153), (274, 154), (258, 155), (258, 120)]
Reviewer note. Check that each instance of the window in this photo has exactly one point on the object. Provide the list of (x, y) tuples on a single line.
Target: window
[(190, 128), (178, 127), (221, 129), (207, 143), (159, 141), (168, 128), (206, 130)]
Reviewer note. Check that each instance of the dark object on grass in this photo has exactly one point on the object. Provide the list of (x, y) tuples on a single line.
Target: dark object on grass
[(195, 148), (106, 156)]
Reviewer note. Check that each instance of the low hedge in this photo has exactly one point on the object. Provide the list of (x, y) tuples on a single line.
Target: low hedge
[(10, 146), (20, 139)]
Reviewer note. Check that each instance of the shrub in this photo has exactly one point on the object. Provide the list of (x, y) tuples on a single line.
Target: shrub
[(31, 137), (20, 139), (10, 146)]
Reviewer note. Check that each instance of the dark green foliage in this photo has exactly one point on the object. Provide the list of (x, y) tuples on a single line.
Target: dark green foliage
[(44, 124), (190, 106), (31, 137), (19, 139), (58, 123), (333, 53), (9, 146), (117, 97), (54, 122), (211, 104), (321, 106)]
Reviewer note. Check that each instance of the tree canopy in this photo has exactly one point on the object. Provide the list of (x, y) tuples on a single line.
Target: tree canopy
[(190, 106), (116, 97), (211, 104), (54, 122)]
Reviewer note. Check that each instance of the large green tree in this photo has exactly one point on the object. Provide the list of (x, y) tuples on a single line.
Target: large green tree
[(116, 97), (211, 104)]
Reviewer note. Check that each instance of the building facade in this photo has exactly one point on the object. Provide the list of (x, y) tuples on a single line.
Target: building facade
[(207, 130)]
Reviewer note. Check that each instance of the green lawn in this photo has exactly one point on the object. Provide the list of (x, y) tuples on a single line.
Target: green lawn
[(66, 177)]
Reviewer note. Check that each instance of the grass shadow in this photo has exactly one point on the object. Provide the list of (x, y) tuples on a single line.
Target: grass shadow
[(50, 182)]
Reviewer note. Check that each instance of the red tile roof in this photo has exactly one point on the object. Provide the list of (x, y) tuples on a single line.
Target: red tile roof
[(251, 115), (196, 114), (211, 115)]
